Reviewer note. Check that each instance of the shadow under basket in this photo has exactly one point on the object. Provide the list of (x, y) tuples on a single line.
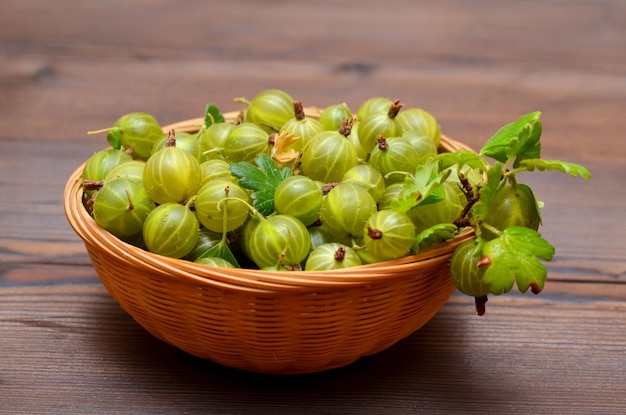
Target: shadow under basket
[(263, 321)]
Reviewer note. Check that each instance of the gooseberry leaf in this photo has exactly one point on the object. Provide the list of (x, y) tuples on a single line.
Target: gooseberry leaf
[(513, 258), (212, 115), (572, 169), (434, 235), (424, 187), (114, 138), (262, 179), (461, 158), (518, 140), (488, 191), (221, 250)]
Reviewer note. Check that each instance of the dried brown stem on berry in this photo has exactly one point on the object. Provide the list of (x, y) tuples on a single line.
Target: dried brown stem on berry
[(298, 110), (374, 233), (382, 143), (395, 108), (340, 254), (346, 127), (171, 139)]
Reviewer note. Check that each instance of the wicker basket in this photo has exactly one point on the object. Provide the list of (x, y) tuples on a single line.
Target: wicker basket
[(263, 321)]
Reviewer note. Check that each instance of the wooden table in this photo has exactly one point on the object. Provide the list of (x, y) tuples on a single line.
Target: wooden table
[(68, 67)]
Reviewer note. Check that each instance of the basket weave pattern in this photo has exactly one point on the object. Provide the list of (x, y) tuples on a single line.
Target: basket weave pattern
[(264, 321)]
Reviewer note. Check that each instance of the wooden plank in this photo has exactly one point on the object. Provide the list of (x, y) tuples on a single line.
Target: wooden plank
[(521, 351)]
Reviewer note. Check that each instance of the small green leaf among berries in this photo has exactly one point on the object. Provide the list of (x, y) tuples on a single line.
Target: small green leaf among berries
[(424, 187), (212, 115), (262, 179), (513, 258)]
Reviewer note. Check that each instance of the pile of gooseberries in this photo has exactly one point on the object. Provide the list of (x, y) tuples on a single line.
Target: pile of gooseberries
[(283, 188)]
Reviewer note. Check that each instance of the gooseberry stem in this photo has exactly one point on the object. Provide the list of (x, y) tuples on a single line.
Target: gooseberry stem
[(242, 100), (104, 130), (253, 211), (491, 228)]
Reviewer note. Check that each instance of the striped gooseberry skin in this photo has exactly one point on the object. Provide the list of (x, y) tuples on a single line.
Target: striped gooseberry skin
[(423, 144), (130, 170), (101, 162), (270, 109), (300, 197), (345, 210), (391, 192), (514, 205), (464, 271), (331, 256), (172, 175), (122, 206), (389, 234), (139, 131), (279, 239), (305, 129), (184, 141), (373, 104), (422, 121), (361, 153), (394, 154), (328, 156), (212, 140), (375, 124), (367, 176), (210, 206), (444, 211), (215, 169), (171, 230), (214, 262), (245, 142), (333, 116)]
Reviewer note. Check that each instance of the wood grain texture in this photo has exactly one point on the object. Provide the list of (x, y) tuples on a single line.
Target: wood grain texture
[(68, 67)]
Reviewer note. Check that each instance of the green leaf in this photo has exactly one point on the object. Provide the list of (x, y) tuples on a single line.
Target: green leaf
[(262, 179), (461, 158), (518, 140), (221, 250), (433, 235), (488, 191), (513, 258), (425, 187), (250, 176), (572, 169), (212, 115), (114, 138)]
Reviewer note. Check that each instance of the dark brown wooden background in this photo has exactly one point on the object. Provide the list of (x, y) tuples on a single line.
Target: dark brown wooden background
[(67, 67)]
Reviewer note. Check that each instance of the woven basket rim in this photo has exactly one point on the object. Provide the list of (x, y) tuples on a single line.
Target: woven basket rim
[(245, 279)]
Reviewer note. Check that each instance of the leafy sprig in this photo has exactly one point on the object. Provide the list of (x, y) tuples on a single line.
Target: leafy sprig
[(514, 256), (421, 188), (262, 179)]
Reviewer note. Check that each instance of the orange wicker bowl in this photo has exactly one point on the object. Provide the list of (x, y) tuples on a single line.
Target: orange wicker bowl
[(263, 321)]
